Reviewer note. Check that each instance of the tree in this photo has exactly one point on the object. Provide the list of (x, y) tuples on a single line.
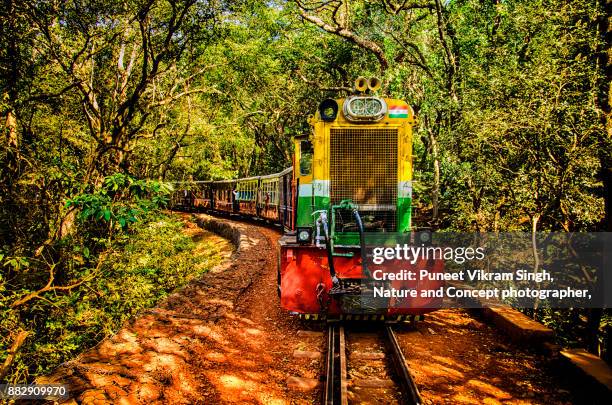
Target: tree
[(124, 60)]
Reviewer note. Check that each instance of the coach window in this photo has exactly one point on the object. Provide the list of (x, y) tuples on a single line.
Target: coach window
[(305, 158)]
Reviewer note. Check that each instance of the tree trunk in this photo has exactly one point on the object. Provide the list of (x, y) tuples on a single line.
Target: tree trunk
[(12, 144), (605, 105), (536, 257), (594, 316), (435, 192), (11, 127), (12, 54)]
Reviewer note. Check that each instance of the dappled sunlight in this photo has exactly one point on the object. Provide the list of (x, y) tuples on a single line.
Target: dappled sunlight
[(164, 361), (240, 362), (449, 362), (232, 350), (100, 380), (211, 334), (463, 361), (462, 398), (268, 399), (245, 320), (185, 383), (234, 382), (216, 357), (213, 301), (455, 332), (249, 341), (113, 349), (431, 322), (248, 242), (256, 376), (245, 386), (202, 330), (252, 331), (489, 389), (440, 370), (165, 345), (125, 335)]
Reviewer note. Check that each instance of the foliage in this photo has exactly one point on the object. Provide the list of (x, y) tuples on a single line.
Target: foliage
[(120, 200)]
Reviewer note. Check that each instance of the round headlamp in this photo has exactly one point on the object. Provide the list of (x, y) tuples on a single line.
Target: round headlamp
[(303, 235)]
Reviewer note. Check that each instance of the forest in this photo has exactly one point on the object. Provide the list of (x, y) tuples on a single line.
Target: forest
[(105, 102)]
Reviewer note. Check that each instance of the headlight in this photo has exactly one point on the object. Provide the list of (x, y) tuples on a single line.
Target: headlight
[(425, 237), (360, 108), (304, 235)]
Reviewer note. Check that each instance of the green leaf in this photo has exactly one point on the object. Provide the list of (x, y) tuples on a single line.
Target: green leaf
[(107, 215), (86, 252)]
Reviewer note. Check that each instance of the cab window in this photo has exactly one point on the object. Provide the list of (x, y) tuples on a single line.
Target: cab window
[(305, 158)]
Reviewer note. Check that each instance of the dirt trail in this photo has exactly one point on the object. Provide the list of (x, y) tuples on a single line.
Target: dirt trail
[(220, 339), (456, 359), (224, 339)]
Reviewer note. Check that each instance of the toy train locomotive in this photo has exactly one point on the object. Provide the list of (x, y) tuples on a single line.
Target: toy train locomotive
[(351, 180)]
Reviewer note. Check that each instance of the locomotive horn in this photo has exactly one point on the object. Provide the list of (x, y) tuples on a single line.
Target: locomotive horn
[(361, 84), (374, 83)]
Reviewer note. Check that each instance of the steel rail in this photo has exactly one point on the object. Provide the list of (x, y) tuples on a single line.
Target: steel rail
[(330, 368), (409, 388), (335, 368), (343, 367)]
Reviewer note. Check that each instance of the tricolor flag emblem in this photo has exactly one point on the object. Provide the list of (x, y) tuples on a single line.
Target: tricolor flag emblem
[(398, 111)]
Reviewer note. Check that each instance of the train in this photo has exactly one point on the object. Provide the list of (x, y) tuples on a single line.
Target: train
[(350, 186), (270, 198)]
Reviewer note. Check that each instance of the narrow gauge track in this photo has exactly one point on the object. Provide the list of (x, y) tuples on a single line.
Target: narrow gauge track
[(400, 388)]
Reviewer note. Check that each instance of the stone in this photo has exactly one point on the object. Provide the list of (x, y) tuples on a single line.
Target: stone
[(367, 355), (593, 366), (304, 354), (302, 383), (518, 326)]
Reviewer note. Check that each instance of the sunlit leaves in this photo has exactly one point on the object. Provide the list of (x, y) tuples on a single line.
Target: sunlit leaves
[(121, 200)]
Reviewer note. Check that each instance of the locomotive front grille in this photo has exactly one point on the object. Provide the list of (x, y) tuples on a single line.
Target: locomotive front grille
[(363, 168)]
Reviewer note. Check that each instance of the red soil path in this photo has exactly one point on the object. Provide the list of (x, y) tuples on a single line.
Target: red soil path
[(456, 359), (224, 339)]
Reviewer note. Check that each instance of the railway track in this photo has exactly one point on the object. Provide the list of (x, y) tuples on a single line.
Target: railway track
[(355, 362)]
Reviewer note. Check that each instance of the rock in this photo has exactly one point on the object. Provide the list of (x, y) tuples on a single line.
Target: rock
[(302, 383), (304, 354)]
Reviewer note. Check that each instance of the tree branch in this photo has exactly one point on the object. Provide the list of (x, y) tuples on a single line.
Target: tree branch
[(350, 36), (50, 287), (19, 340), (321, 87), (395, 8)]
